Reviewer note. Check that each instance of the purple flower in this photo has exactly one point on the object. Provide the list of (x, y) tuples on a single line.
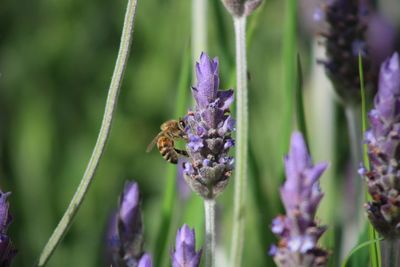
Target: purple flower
[(209, 129), (7, 250), (383, 140), (381, 40), (125, 233), (185, 254), (130, 226), (298, 230), (344, 39)]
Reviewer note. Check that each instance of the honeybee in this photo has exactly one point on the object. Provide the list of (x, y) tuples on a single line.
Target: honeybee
[(170, 131)]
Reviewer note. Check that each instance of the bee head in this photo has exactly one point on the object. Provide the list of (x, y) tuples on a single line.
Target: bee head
[(182, 124)]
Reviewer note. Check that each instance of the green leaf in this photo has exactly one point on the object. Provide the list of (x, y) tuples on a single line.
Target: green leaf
[(289, 65), (357, 248), (300, 114)]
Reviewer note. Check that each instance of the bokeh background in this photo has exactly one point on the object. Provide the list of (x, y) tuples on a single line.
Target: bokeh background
[(56, 61)]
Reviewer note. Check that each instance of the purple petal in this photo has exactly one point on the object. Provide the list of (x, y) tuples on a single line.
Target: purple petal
[(298, 158), (278, 225), (185, 254), (5, 218), (145, 261), (195, 143), (207, 80), (226, 98), (129, 204), (389, 81)]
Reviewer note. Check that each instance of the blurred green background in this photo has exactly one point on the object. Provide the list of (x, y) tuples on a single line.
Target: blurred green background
[(56, 61)]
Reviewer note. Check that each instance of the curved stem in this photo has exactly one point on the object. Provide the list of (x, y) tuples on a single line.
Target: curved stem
[(209, 209), (241, 143), (120, 65)]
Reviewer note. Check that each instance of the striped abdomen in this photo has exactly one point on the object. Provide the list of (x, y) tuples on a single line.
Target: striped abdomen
[(166, 147)]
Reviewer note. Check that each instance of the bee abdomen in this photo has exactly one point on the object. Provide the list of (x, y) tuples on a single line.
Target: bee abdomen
[(166, 147)]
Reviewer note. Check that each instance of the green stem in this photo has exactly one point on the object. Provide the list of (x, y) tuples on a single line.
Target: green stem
[(354, 216), (390, 252), (241, 143), (209, 209), (116, 81), (199, 28)]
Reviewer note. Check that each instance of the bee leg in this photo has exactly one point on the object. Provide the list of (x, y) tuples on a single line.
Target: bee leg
[(181, 152)]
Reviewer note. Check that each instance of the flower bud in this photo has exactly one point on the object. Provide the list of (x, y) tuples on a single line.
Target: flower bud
[(185, 254)]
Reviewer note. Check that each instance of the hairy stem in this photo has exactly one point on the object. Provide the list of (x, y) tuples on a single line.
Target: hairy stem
[(209, 209), (354, 217), (390, 252), (199, 28), (241, 143), (116, 81)]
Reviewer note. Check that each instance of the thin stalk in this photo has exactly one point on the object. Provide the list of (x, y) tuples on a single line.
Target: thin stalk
[(390, 252), (241, 143), (199, 28), (209, 211), (354, 215), (111, 102)]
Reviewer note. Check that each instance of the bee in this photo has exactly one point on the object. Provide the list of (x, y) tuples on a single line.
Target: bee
[(170, 130)]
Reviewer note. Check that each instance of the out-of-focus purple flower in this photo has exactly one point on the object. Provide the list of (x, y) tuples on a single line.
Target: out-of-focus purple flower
[(383, 140), (381, 40), (130, 226), (355, 27), (125, 232), (301, 194), (209, 129), (345, 38), (7, 250), (185, 254)]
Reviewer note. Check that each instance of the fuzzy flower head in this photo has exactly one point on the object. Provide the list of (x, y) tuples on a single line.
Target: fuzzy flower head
[(209, 129), (383, 140), (185, 254), (301, 194), (345, 39), (7, 251)]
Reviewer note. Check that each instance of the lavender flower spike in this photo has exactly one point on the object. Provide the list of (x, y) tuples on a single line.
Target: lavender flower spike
[(298, 230), (209, 129), (125, 236), (345, 38), (383, 140), (185, 254), (130, 226), (7, 251)]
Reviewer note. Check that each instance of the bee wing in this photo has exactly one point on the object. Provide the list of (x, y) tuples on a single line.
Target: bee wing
[(153, 142)]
